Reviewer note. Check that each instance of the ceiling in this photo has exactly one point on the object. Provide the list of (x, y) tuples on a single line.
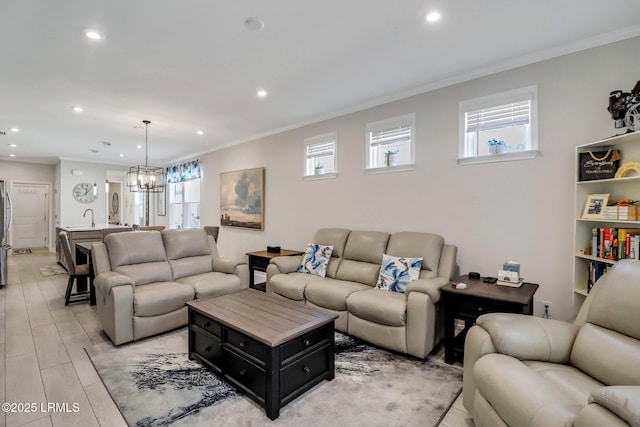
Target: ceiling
[(193, 65)]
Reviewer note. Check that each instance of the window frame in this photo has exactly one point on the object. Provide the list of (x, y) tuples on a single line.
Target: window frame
[(317, 140), (517, 95), (184, 203), (386, 123)]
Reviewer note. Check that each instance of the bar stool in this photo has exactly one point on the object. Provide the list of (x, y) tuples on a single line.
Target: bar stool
[(75, 272)]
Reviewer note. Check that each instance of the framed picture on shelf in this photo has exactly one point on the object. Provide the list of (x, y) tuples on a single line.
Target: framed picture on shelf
[(161, 203), (594, 206)]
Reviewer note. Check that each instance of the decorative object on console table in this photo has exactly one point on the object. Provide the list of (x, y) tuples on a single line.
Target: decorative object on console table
[(594, 206), (476, 299), (259, 260), (242, 198)]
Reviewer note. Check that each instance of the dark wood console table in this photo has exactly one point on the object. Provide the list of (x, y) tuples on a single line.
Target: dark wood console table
[(477, 299), (259, 261)]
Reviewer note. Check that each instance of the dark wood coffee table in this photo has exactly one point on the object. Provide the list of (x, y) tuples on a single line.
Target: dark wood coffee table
[(272, 349)]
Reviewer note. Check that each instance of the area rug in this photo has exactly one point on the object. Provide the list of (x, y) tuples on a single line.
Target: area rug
[(153, 383), (52, 270)]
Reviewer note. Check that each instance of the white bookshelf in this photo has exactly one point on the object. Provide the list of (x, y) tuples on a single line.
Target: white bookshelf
[(617, 188)]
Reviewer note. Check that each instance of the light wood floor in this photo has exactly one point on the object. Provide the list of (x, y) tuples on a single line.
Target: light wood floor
[(42, 357)]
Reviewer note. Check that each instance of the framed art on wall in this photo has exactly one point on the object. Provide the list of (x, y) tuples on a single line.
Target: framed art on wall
[(242, 198), (594, 206), (161, 203)]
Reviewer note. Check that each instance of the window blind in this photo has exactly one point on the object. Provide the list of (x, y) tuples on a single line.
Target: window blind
[(321, 149), (387, 136), (513, 114)]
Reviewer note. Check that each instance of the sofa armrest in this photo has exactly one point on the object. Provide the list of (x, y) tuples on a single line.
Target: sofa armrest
[(430, 287), (624, 401), (109, 280), (530, 338), (287, 264), (227, 265)]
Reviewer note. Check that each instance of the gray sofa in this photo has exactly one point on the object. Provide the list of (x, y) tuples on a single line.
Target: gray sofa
[(144, 278), (409, 322), (528, 371)]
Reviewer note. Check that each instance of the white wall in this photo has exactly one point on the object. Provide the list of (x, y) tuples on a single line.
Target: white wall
[(71, 210), (520, 210)]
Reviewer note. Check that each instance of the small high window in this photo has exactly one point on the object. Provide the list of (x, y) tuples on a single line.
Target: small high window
[(320, 156), (499, 127), (391, 144)]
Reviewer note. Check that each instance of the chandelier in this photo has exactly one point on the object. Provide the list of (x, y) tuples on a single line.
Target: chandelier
[(146, 179)]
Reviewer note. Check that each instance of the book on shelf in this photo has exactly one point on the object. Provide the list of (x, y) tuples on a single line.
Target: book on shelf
[(615, 243), (596, 270)]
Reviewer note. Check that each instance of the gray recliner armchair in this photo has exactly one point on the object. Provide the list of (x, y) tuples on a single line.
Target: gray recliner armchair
[(528, 371)]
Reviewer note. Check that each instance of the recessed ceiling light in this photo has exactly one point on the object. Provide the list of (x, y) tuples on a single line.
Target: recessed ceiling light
[(78, 109), (94, 35), (433, 16), (261, 93), (14, 130), (12, 145), (200, 132), (253, 24), (138, 146), (121, 155), (12, 155)]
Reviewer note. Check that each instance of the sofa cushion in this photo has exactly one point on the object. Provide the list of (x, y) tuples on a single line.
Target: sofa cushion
[(336, 237), (567, 379), (160, 298), (134, 247), (522, 396), (379, 306), (315, 259), (148, 272), (212, 284), (331, 293), (417, 245), (601, 352), (188, 252), (397, 272), (366, 246), (290, 285)]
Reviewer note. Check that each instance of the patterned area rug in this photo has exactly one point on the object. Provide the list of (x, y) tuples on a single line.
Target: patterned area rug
[(52, 270), (21, 251), (153, 383)]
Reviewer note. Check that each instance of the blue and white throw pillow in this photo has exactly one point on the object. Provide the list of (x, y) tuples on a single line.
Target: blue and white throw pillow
[(315, 259), (397, 272)]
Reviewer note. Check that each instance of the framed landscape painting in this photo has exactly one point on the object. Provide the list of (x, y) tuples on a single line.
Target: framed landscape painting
[(242, 198)]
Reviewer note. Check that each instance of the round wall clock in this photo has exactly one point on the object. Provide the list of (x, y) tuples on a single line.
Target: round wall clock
[(83, 193)]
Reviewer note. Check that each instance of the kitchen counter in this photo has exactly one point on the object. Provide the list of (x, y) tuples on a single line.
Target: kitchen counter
[(98, 227), (84, 233)]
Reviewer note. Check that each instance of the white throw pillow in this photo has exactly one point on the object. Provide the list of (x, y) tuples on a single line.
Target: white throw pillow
[(315, 259), (397, 272)]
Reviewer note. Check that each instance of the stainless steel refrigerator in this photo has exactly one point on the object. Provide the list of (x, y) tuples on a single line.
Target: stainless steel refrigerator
[(5, 225)]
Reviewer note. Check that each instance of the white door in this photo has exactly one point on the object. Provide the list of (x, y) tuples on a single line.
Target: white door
[(30, 211)]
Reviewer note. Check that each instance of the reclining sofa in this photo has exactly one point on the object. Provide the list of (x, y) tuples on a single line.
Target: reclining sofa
[(528, 371), (409, 322), (144, 278)]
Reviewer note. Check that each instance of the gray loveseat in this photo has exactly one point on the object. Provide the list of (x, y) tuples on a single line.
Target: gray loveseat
[(527, 371), (144, 278), (409, 322)]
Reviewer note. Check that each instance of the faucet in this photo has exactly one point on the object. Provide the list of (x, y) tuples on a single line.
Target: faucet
[(93, 224)]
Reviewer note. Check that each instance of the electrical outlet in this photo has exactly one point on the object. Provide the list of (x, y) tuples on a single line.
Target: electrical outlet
[(545, 309)]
